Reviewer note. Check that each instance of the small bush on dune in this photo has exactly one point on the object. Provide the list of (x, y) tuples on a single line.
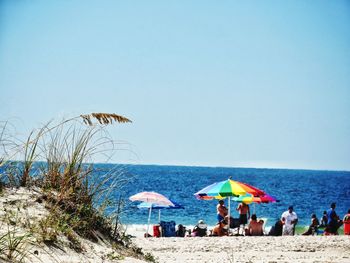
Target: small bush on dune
[(13, 243)]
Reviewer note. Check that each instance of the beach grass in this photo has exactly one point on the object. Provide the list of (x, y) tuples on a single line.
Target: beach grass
[(75, 198)]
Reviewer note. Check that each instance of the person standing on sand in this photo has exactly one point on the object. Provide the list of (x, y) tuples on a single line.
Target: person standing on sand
[(290, 219), (333, 220), (244, 213), (221, 210)]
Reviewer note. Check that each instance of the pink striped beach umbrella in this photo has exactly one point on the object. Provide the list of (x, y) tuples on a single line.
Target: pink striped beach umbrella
[(152, 198)]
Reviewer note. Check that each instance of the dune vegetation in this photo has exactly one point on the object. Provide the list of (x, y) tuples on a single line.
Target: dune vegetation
[(56, 165)]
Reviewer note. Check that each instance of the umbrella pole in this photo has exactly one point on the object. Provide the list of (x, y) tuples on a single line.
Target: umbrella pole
[(229, 215), (159, 216), (149, 220)]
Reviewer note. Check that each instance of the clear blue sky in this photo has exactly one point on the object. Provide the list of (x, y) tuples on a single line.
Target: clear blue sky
[(212, 83)]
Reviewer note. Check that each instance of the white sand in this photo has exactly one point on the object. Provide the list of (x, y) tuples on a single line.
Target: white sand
[(291, 249), (296, 249)]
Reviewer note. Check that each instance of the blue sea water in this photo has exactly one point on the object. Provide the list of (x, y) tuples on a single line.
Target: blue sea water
[(309, 191)]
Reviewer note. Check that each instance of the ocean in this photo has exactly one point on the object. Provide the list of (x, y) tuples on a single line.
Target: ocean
[(309, 191)]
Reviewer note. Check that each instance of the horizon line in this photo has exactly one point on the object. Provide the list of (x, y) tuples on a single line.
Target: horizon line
[(208, 166), (238, 167)]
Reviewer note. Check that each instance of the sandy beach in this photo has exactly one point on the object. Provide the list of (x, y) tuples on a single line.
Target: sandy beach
[(235, 249), (291, 249)]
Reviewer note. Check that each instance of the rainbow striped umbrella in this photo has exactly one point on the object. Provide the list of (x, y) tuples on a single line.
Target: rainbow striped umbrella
[(248, 199), (226, 188)]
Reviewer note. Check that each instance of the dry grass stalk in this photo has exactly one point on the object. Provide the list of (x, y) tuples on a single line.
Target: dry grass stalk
[(104, 118), (8, 143)]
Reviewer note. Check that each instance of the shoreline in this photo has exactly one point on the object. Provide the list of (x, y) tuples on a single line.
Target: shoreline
[(138, 230)]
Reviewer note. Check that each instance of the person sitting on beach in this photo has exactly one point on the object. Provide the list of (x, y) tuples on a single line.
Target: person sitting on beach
[(255, 228), (313, 226), (181, 231), (324, 219), (200, 230), (277, 229), (221, 210), (221, 229), (290, 219), (333, 222)]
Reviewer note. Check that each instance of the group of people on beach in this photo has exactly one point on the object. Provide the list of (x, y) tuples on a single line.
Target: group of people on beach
[(225, 222), (285, 225), (330, 221)]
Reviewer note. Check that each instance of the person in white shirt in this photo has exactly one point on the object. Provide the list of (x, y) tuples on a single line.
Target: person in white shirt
[(291, 219)]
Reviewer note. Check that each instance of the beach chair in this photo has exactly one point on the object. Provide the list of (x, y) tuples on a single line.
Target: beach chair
[(235, 226), (264, 225), (234, 223), (168, 228)]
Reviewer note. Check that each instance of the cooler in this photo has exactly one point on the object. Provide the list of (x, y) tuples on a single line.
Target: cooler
[(156, 231), (346, 223)]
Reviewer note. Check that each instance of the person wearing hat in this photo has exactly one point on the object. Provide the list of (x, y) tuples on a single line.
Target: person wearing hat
[(290, 219), (200, 230)]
